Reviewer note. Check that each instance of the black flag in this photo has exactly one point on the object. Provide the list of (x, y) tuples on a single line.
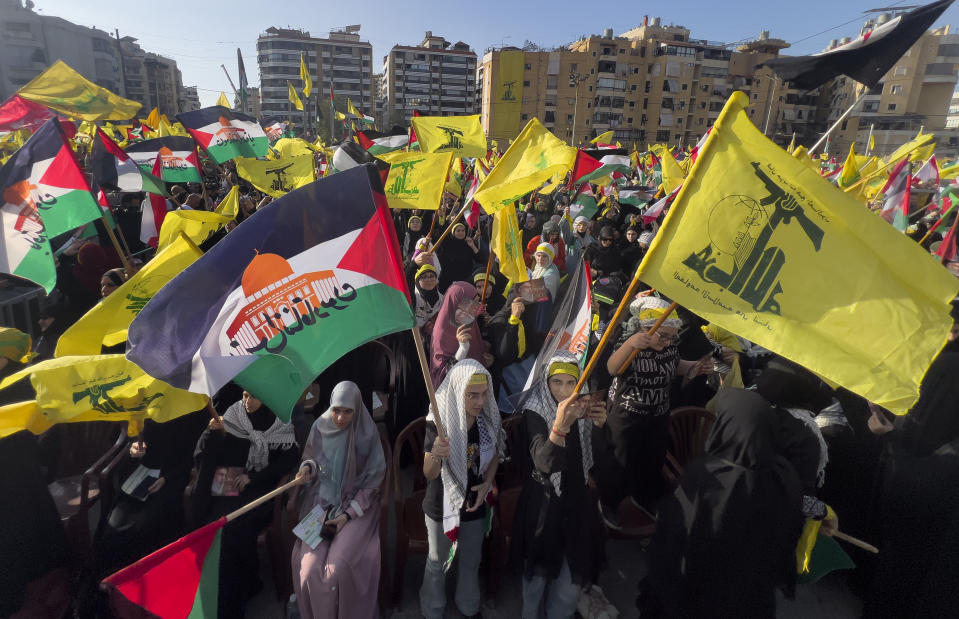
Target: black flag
[(865, 59)]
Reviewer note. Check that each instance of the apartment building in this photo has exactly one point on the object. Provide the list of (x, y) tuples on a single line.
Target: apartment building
[(435, 77), (341, 62), (915, 94), (652, 83), (30, 42)]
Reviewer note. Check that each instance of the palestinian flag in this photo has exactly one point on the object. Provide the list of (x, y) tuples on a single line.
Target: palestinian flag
[(349, 154), (275, 129), (633, 197), (19, 113), (702, 141), (178, 581), (153, 211), (584, 204), (280, 298), (608, 164), (570, 331), (928, 173), (114, 169), (657, 209), (583, 167), (866, 58), (178, 158), (44, 195), (414, 142), (376, 143), (895, 209), (225, 133)]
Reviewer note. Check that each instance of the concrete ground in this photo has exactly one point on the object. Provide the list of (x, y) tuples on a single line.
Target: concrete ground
[(627, 564)]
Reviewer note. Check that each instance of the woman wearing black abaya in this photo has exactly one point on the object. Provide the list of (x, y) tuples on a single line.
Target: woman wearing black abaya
[(726, 538), (919, 506), (456, 254)]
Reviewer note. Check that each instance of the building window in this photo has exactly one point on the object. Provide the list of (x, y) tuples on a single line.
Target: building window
[(573, 66), (632, 88), (900, 71), (632, 104), (526, 83), (635, 70), (755, 96), (527, 66), (549, 117), (569, 118), (891, 107), (662, 136), (525, 116), (685, 86), (629, 120), (896, 90)]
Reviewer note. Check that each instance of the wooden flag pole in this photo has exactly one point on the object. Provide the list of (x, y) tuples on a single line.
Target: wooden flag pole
[(266, 497), (593, 360), (452, 223), (424, 366), (856, 542), (489, 266), (215, 415), (116, 244), (669, 310), (931, 230)]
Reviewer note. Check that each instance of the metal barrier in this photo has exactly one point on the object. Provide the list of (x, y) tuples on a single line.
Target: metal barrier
[(20, 307)]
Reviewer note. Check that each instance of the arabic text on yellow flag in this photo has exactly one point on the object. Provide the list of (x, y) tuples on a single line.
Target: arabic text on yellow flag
[(305, 76), (416, 180), (759, 244), (507, 90), (460, 135), (62, 89), (279, 176), (195, 225), (94, 388), (536, 156), (106, 324), (507, 244), (294, 98)]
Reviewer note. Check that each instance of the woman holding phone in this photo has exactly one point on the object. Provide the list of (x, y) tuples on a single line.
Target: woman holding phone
[(557, 536), (456, 334)]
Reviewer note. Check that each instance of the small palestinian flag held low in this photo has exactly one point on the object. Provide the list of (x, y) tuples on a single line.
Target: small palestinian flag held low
[(276, 128), (226, 133), (114, 169), (43, 193), (282, 297), (178, 159), (179, 581), (377, 143)]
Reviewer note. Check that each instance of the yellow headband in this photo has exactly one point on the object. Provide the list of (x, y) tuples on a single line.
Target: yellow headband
[(426, 268), (562, 367), (477, 379)]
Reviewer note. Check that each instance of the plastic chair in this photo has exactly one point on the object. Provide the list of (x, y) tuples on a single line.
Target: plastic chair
[(411, 534)]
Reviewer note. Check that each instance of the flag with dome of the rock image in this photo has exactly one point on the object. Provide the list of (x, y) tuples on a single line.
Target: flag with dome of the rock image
[(281, 297), (43, 194), (179, 162), (226, 133)]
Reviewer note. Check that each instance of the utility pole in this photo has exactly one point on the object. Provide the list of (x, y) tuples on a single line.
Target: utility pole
[(575, 79), (123, 77)]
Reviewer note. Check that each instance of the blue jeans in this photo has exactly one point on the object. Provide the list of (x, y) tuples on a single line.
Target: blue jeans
[(561, 595), (469, 550)]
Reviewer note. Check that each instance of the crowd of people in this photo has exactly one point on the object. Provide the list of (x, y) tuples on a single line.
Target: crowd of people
[(784, 448)]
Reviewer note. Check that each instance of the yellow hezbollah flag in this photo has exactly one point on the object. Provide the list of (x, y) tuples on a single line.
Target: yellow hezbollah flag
[(229, 206), (454, 181), (603, 138), (153, 118), (850, 169), (291, 147), (908, 147), (15, 345), (62, 89), (507, 244), (536, 156), (460, 135), (106, 324), (277, 177), (416, 180), (222, 100), (673, 175), (305, 76), (195, 225), (94, 388), (507, 97), (294, 99), (923, 153), (759, 244)]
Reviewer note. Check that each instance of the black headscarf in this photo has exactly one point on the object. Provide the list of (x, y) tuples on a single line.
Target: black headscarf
[(726, 539)]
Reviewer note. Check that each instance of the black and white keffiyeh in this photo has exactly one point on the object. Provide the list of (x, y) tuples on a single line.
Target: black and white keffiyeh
[(236, 421)]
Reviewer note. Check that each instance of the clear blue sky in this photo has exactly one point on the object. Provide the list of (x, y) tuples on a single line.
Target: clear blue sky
[(201, 35)]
